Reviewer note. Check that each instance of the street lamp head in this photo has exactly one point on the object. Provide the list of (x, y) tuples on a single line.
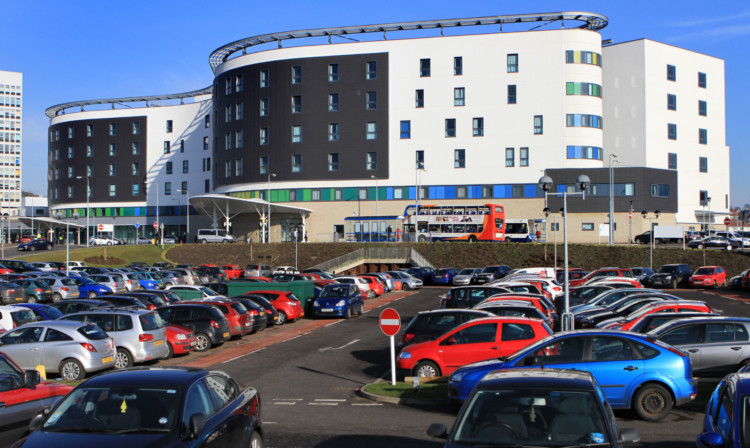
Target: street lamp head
[(644, 214), (545, 182), (272, 175), (613, 156), (76, 215), (546, 212), (657, 213), (583, 182), (373, 177)]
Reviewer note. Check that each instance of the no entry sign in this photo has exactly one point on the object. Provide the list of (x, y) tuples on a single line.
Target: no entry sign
[(390, 322), (101, 227)]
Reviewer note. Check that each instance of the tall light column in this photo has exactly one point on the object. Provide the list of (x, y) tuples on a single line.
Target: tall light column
[(708, 199), (268, 199), (88, 207), (612, 158)]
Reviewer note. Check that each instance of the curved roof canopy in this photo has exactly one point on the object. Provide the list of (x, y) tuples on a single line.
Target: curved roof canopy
[(229, 206)]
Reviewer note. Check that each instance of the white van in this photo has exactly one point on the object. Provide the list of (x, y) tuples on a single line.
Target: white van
[(213, 236), (520, 230)]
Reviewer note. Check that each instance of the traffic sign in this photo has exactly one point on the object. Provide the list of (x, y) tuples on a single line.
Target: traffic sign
[(101, 227), (390, 322), (727, 221), (137, 225), (156, 225)]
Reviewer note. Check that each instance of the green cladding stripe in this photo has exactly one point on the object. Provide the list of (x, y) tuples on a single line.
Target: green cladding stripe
[(306, 194)]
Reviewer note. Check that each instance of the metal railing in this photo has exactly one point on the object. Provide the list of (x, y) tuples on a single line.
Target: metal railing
[(375, 254)]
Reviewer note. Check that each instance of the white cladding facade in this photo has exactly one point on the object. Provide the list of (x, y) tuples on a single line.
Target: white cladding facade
[(11, 145), (643, 81)]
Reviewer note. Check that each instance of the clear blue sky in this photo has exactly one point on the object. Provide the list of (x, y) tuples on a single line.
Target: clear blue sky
[(84, 49)]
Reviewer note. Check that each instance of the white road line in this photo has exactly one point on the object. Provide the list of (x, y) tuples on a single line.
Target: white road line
[(333, 323), (366, 312), (330, 399), (242, 356), (287, 399), (292, 338), (367, 404), (322, 404), (286, 403), (325, 349), (270, 423)]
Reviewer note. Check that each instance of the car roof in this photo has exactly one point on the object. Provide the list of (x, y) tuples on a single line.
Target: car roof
[(145, 377), (539, 378), (454, 310), (706, 318)]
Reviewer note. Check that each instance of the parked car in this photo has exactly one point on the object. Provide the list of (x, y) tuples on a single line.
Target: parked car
[(468, 296), (444, 276), (620, 308), (423, 273), (635, 372), (144, 240), (625, 323), (257, 270), (41, 311), (708, 276), (19, 266), (652, 321), (725, 423), (603, 272), (714, 242), (643, 275), (238, 317), (539, 408), (194, 292), (36, 291), (151, 300), (36, 244), (286, 303), (209, 325), (170, 239), (178, 406), (232, 271), (75, 305), (270, 312), (171, 278), (89, 288), (257, 313), (111, 280), (12, 317), (339, 300), (48, 266), (428, 325), (71, 349), (213, 236), (716, 345), (180, 341), (472, 341), (407, 281), (11, 293), (607, 298), (210, 273), (515, 308), (492, 273), (671, 275), (736, 281), (466, 276), (124, 302)]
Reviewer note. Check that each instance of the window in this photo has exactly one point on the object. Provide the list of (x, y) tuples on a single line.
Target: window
[(672, 161), (372, 101), (70, 171), (113, 129), (405, 129), (333, 132), (168, 167), (136, 148), (238, 138), (671, 131), (660, 190), (538, 125), (703, 197), (182, 145), (371, 70), (70, 152), (89, 150), (477, 126), (238, 167), (523, 157), (227, 141), (264, 107), (136, 190), (228, 85), (169, 125), (458, 65), (90, 129), (372, 161), (701, 80), (296, 163), (135, 169), (227, 168), (112, 149), (333, 72), (238, 111), (459, 96), (583, 57), (333, 102), (703, 164), (263, 78), (459, 158), (57, 173), (296, 104), (424, 68), (450, 127), (419, 99), (702, 108), (703, 136), (166, 146), (185, 166), (511, 94), (671, 73), (671, 101), (583, 88), (513, 63), (168, 188), (584, 152), (363, 194), (372, 130), (587, 226), (263, 165), (89, 170), (333, 161), (263, 136), (112, 190), (510, 157), (183, 187), (420, 159), (205, 143), (582, 120), (296, 133), (297, 75)]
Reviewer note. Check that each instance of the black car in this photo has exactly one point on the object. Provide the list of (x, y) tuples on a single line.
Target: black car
[(423, 273), (271, 314), (168, 296), (622, 307), (124, 301), (19, 266), (580, 295), (207, 323), (428, 325), (70, 306), (36, 244), (468, 296), (257, 313), (714, 242), (162, 264), (654, 320), (164, 407), (218, 287), (151, 300), (671, 275), (138, 264), (492, 273), (736, 281)]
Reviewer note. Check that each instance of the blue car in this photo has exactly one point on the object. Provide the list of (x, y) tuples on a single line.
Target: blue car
[(90, 289), (340, 300), (146, 281), (41, 311), (635, 372), (725, 424), (444, 276)]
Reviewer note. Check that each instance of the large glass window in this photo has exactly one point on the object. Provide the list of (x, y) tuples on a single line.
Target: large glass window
[(660, 190), (583, 57), (583, 88), (583, 120), (513, 63), (459, 158), (450, 127), (459, 96), (405, 129), (584, 152)]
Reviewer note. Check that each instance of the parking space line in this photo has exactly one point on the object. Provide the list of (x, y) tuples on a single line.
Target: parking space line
[(330, 399), (322, 404), (287, 403), (367, 404), (242, 356)]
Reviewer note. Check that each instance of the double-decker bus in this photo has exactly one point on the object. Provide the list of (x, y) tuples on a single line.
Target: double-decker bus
[(476, 222)]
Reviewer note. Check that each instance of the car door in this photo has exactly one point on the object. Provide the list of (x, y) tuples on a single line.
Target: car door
[(516, 335), (689, 339), (616, 365), (198, 400), (225, 393), (725, 345), (24, 346), (470, 343)]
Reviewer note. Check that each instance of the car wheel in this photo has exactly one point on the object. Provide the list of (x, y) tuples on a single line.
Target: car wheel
[(49, 247), (426, 369), (123, 359), (674, 283), (71, 370), (282, 318), (167, 285), (92, 295), (348, 314), (715, 285), (32, 248), (171, 351), (652, 403), (255, 440), (56, 297), (203, 241), (225, 241), (31, 299), (203, 342)]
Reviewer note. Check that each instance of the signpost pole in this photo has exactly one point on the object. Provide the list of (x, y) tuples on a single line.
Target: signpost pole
[(390, 324)]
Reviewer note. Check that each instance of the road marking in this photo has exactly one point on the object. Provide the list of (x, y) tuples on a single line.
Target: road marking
[(287, 403), (330, 399), (339, 348), (365, 312), (367, 404), (270, 423), (288, 399), (242, 356), (292, 338), (322, 404), (332, 323)]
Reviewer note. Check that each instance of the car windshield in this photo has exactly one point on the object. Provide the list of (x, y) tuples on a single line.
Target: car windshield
[(489, 270), (704, 271), (92, 331), (667, 269), (151, 321), (466, 272), (50, 312), (113, 409), (334, 291), (522, 417), (21, 317)]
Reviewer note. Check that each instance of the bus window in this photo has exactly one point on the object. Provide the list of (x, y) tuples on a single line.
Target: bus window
[(446, 228), (484, 210), (423, 211), (458, 211), (422, 226), (499, 223), (409, 228), (434, 228), (472, 228), (498, 209), (459, 228), (471, 211)]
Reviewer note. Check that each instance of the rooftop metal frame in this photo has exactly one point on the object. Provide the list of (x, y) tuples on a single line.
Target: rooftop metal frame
[(589, 21)]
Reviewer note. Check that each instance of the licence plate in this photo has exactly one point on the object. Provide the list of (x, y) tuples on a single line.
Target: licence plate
[(247, 324), (327, 310), (18, 299), (226, 334), (192, 343), (108, 359), (159, 342)]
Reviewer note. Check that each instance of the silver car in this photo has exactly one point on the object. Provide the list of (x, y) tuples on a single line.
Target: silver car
[(257, 270), (170, 278), (189, 277), (132, 282), (62, 288), (407, 281), (466, 276), (140, 335), (112, 281), (71, 349)]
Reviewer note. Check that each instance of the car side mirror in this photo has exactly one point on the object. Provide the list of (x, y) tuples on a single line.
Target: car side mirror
[(710, 440), (629, 436), (32, 378), (197, 423), (438, 430), (36, 422), (450, 341)]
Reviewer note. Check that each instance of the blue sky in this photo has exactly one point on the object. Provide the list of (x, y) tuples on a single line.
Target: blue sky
[(83, 49)]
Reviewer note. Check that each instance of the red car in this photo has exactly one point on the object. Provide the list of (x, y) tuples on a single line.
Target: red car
[(627, 322), (233, 271), (542, 305), (239, 319), (711, 276), (473, 341), (23, 394), (603, 272), (374, 284), (180, 340), (286, 304)]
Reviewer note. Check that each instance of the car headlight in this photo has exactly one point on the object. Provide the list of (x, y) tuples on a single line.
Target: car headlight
[(316, 303), (181, 337), (457, 377), (341, 302), (404, 355)]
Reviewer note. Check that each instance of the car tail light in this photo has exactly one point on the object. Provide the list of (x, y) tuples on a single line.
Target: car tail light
[(37, 290), (88, 346), (130, 282), (11, 291), (215, 324), (115, 285), (145, 337), (64, 289)]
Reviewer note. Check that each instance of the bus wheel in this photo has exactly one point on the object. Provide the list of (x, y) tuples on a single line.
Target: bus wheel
[(507, 239), (422, 238), (472, 239)]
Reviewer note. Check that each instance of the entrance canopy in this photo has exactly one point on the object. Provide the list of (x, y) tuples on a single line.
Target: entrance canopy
[(50, 224)]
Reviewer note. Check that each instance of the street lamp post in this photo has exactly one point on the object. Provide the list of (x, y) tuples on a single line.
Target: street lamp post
[(2, 231), (583, 183), (612, 158), (67, 240), (88, 203), (268, 199), (652, 238), (708, 199)]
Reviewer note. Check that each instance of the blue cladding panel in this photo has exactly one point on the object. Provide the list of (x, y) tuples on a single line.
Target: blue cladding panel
[(530, 191), (450, 192)]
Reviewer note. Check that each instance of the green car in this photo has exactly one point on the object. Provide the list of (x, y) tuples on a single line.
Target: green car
[(35, 291)]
